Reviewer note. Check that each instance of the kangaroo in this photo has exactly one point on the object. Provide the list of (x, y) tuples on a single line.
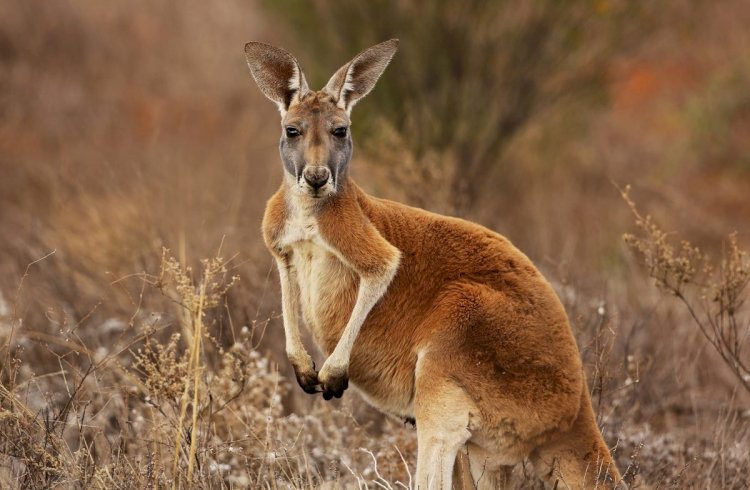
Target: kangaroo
[(432, 318)]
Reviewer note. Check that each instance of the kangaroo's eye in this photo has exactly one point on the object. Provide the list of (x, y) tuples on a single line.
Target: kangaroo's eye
[(339, 132), (292, 132)]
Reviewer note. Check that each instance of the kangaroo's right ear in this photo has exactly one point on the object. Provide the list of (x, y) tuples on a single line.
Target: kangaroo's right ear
[(277, 74)]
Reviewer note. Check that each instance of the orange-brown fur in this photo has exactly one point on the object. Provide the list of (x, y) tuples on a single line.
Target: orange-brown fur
[(468, 337)]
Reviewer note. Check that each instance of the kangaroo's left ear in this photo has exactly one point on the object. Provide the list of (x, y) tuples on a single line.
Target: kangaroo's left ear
[(355, 79)]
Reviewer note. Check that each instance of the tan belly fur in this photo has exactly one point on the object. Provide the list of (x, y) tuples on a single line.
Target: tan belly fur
[(324, 282)]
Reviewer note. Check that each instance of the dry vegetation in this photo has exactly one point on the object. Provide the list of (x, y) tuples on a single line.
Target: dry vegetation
[(129, 127)]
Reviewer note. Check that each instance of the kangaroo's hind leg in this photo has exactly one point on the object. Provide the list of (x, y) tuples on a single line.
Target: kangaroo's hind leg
[(443, 412), (578, 458), (479, 469)]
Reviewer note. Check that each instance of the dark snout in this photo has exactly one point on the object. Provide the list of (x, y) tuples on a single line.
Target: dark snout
[(316, 177)]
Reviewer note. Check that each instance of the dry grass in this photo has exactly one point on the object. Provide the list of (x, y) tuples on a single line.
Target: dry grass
[(126, 128), (713, 293), (174, 406)]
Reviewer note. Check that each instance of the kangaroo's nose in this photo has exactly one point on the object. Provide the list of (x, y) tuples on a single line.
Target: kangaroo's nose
[(316, 177)]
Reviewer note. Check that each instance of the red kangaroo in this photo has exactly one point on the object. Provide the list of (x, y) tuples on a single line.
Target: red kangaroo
[(432, 318)]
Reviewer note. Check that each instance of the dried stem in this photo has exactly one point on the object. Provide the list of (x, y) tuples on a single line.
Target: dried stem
[(712, 294)]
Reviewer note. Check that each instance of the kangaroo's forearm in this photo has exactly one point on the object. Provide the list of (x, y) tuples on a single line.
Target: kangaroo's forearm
[(290, 308), (371, 290), (374, 260)]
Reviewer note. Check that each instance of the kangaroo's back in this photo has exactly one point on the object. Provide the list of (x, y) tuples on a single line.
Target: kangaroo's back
[(434, 319)]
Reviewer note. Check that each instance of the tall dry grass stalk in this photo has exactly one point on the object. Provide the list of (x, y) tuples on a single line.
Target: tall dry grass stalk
[(194, 300)]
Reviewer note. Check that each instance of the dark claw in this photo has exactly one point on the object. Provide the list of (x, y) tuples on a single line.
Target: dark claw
[(335, 388), (307, 380)]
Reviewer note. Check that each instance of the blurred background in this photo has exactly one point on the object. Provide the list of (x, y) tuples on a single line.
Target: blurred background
[(126, 127)]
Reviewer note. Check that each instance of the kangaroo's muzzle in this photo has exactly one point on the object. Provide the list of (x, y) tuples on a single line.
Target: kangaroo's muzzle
[(316, 177)]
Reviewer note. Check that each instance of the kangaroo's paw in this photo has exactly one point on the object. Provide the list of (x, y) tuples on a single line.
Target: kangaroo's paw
[(307, 377), (334, 381)]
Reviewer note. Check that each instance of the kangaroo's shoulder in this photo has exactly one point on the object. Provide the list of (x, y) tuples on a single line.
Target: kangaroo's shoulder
[(345, 227), (274, 220)]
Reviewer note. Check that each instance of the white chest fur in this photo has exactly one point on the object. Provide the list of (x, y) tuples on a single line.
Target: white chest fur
[(301, 225)]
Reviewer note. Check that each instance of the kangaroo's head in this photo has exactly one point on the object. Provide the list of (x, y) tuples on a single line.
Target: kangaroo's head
[(316, 143)]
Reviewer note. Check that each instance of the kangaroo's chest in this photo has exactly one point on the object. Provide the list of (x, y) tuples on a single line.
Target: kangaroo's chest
[(327, 291), (327, 287)]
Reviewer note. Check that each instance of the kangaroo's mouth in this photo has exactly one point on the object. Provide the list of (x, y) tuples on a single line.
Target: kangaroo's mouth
[(318, 191)]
